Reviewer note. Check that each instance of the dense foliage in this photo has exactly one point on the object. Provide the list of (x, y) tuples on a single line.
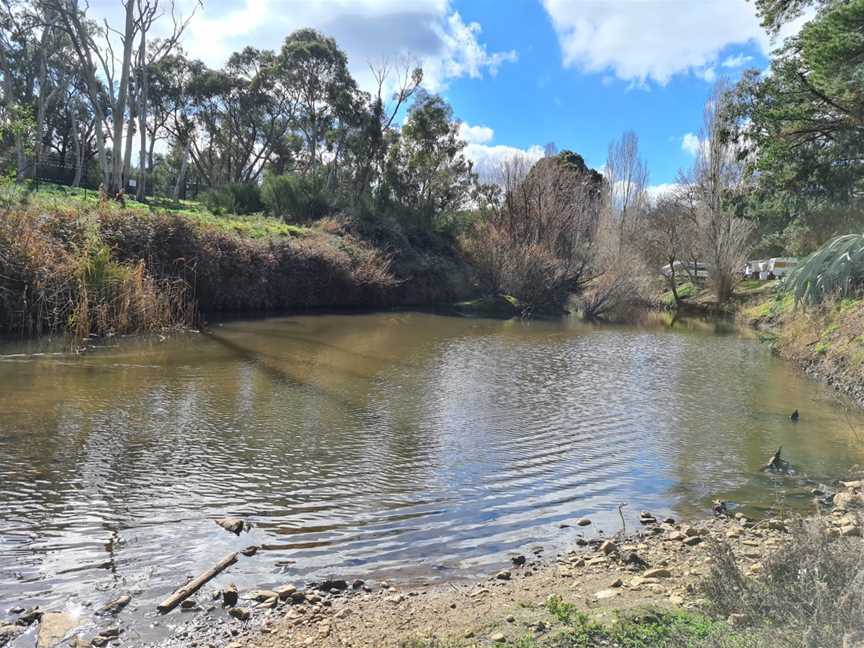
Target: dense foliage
[(802, 133)]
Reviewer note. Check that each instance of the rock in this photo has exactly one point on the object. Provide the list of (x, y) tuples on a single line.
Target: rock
[(230, 595), (583, 522), (469, 634), (737, 620), (233, 524), (605, 594), (261, 595), (511, 619), (646, 518), (756, 568), (242, 614), (285, 591), (676, 536), (396, 599), (608, 547), (617, 583), (776, 525), (110, 633), (503, 575), (498, 637), (669, 520), (357, 584), (188, 604), (634, 558), (331, 584), (297, 597), (343, 613), (268, 604), (7, 632), (660, 572), (53, 627), (518, 560), (113, 607), (692, 540), (719, 508), (676, 599), (29, 616), (249, 551), (850, 530), (848, 500), (853, 485)]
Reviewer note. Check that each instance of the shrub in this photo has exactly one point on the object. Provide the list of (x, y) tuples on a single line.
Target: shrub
[(296, 198), (57, 277), (234, 198), (835, 269), (811, 594)]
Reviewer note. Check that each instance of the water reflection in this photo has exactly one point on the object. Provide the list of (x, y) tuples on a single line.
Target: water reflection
[(390, 444)]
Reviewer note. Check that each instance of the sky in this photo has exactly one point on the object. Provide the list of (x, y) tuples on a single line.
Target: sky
[(522, 73)]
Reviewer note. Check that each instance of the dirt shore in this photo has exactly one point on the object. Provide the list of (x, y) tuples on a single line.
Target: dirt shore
[(659, 567)]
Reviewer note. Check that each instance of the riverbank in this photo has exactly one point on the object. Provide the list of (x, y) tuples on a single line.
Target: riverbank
[(826, 341), (662, 585), (105, 271), (720, 581)]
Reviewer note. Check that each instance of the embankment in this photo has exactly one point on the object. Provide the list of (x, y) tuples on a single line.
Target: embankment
[(827, 341), (87, 271)]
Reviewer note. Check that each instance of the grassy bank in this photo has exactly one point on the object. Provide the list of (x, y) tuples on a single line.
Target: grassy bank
[(86, 267), (827, 340)]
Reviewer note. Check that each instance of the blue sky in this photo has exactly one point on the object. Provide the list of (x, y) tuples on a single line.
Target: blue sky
[(521, 73)]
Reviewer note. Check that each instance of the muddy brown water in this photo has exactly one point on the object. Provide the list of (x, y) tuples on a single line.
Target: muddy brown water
[(401, 445)]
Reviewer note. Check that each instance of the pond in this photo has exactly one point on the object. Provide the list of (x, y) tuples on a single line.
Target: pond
[(392, 445)]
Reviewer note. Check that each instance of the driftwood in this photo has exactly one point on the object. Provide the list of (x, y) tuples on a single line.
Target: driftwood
[(777, 464), (187, 590)]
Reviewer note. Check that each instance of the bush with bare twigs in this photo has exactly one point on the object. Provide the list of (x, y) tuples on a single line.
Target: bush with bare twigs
[(535, 241), (810, 595)]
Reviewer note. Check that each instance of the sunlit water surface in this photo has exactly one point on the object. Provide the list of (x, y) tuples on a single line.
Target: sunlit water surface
[(399, 445)]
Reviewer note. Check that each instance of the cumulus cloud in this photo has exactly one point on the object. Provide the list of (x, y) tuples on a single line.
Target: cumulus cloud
[(487, 157), (429, 33), (475, 134), (658, 191), (691, 144), (652, 40)]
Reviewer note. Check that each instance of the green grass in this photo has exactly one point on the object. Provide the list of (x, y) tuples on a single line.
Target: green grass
[(633, 629), (50, 195)]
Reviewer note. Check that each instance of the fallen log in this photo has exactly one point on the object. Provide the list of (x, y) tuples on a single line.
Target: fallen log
[(187, 590)]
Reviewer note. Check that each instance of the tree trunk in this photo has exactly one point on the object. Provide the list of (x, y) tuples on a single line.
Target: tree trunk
[(181, 177), (118, 113), (142, 120)]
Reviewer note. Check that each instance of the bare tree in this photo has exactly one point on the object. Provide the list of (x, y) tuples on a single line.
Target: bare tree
[(668, 238), (113, 83), (715, 179), (536, 240), (627, 175)]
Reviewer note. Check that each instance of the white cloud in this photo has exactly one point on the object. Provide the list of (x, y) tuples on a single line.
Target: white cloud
[(736, 61), (691, 144), (428, 32), (651, 40), (709, 74), (488, 157), (658, 191), (475, 134)]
